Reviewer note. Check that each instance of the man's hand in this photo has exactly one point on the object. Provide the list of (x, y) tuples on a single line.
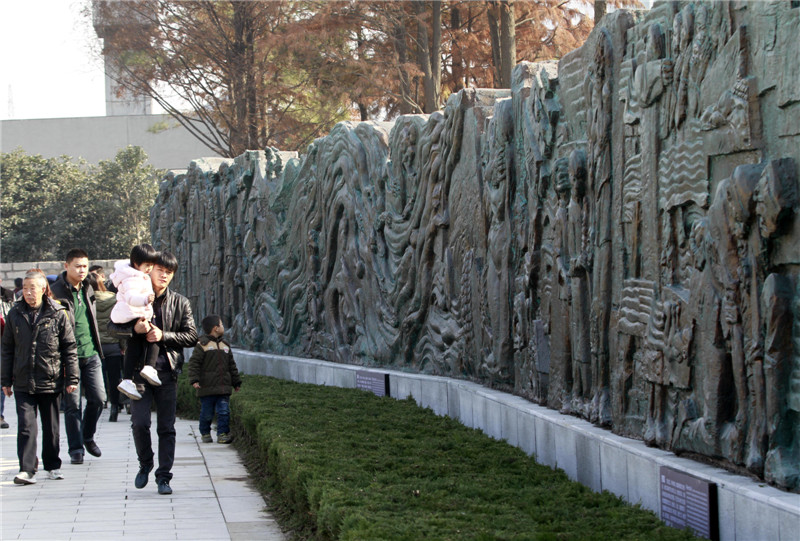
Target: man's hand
[(142, 326), (7, 391), (196, 385), (155, 334), (71, 388), (236, 389)]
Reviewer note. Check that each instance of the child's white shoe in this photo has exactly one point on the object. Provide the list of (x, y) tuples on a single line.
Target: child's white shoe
[(128, 388), (149, 373)]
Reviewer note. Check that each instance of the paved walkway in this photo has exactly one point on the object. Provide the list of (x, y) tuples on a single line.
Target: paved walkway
[(212, 496)]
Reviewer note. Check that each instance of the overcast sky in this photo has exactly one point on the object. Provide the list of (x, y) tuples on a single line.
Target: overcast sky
[(46, 66)]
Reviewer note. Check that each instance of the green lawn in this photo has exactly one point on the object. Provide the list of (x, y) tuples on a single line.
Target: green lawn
[(345, 464)]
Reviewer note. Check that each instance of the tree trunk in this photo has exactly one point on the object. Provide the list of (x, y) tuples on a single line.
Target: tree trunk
[(436, 57), (402, 58), (424, 55), (358, 98), (240, 133), (494, 36), (251, 80), (457, 66), (508, 42), (599, 10)]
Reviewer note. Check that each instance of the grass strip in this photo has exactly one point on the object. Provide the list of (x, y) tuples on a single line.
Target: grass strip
[(345, 464)]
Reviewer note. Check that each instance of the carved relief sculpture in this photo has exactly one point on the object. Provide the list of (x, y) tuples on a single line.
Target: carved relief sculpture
[(616, 236)]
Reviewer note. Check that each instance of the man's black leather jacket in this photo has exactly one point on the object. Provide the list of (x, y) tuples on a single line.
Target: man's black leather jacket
[(178, 328)]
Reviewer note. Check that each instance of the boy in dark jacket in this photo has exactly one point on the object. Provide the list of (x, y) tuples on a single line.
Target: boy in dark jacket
[(212, 371)]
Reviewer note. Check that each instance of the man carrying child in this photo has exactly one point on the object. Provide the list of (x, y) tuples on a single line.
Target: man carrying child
[(171, 330), (134, 306)]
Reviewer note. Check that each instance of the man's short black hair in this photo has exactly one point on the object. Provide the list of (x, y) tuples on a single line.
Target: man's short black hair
[(168, 261), (209, 322), (76, 253), (94, 280), (143, 253)]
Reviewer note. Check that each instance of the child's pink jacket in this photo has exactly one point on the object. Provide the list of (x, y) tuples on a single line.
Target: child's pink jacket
[(133, 289)]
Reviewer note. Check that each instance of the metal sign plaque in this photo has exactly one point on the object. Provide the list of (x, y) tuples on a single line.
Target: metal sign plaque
[(374, 382), (687, 501)]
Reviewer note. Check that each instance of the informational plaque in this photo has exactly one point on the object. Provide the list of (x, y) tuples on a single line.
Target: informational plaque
[(375, 382), (687, 501)]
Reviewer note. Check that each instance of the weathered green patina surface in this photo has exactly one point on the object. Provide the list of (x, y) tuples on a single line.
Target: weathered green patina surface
[(615, 237)]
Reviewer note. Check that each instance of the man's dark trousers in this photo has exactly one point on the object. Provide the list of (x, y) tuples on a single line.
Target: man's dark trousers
[(165, 397), (81, 428), (47, 405)]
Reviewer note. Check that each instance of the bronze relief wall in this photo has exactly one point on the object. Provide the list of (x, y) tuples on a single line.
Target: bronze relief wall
[(614, 237)]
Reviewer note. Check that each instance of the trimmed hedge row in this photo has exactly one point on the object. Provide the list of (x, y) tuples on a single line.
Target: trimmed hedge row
[(345, 464)]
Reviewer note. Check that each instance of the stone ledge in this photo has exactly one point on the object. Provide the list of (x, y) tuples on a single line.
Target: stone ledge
[(590, 455)]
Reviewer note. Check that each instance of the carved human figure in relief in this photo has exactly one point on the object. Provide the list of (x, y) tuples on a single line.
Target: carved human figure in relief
[(740, 279), (578, 251), (498, 175), (686, 25), (559, 326), (598, 91), (700, 433), (776, 197), (701, 52), (651, 78)]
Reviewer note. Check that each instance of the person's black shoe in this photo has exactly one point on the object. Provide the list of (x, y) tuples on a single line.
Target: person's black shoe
[(163, 487), (92, 448), (76, 457), (142, 476), (112, 417)]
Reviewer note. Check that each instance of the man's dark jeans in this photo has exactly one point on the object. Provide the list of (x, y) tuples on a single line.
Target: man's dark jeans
[(112, 366), (165, 397), (81, 428)]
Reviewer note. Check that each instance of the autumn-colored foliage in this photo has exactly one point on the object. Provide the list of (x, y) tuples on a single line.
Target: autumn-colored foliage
[(251, 74)]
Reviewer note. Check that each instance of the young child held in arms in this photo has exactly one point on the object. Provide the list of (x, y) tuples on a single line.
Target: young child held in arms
[(135, 303), (212, 371)]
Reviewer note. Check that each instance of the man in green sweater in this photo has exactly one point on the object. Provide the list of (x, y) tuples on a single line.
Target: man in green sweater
[(74, 292)]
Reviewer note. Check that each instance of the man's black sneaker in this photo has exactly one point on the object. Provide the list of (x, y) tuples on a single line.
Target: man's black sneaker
[(76, 457), (92, 448), (163, 487), (142, 476)]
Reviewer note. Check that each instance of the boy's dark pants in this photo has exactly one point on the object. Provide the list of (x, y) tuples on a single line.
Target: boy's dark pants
[(165, 397), (219, 403)]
